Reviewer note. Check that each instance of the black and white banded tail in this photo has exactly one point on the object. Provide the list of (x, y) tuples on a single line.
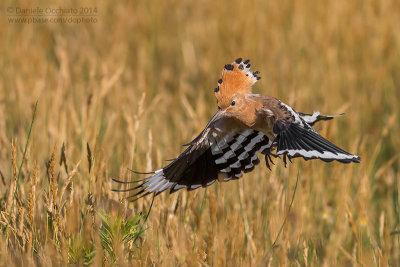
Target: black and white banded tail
[(311, 119)]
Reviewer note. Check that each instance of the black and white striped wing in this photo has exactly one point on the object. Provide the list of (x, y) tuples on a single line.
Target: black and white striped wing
[(296, 138), (218, 153)]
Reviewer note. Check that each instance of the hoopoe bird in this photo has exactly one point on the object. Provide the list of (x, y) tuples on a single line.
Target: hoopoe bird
[(244, 124)]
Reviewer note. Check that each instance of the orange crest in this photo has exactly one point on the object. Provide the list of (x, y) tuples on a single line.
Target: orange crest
[(236, 79)]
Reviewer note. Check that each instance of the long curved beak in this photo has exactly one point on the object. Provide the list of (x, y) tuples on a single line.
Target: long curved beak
[(217, 114)]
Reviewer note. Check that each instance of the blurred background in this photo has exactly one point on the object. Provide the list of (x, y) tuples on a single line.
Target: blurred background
[(127, 89)]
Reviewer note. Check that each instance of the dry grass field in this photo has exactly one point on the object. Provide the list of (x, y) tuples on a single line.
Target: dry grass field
[(130, 89)]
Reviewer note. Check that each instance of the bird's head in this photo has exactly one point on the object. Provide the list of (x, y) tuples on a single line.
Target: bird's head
[(234, 85), (233, 90)]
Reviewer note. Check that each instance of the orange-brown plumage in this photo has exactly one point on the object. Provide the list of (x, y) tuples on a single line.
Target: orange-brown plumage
[(236, 79), (235, 98)]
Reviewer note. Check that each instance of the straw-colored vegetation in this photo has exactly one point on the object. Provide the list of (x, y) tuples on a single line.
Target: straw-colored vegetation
[(129, 90)]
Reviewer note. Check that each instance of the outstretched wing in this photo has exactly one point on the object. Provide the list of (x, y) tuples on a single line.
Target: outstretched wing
[(296, 138), (223, 151)]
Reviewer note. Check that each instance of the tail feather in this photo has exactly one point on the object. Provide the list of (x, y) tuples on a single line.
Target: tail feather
[(311, 119), (297, 141)]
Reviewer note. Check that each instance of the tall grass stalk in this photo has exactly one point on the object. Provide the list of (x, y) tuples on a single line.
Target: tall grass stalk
[(20, 167)]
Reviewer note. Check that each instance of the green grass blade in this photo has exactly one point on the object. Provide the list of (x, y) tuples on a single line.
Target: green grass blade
[(203, 201), (287, 215), (20, 166)]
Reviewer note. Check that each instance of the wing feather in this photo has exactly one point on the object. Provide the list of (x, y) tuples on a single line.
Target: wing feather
[(226, 146), (296, 138)]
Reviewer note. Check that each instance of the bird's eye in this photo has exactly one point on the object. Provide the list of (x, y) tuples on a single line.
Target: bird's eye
[(233, 103)]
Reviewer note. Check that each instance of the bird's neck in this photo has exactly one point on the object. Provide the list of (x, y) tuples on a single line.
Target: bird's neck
[(247, 114)]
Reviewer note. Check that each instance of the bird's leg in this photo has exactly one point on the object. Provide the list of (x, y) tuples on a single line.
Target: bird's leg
[(288, 157), (274, 155), (268, 158), (284, 159), (273, 146)]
